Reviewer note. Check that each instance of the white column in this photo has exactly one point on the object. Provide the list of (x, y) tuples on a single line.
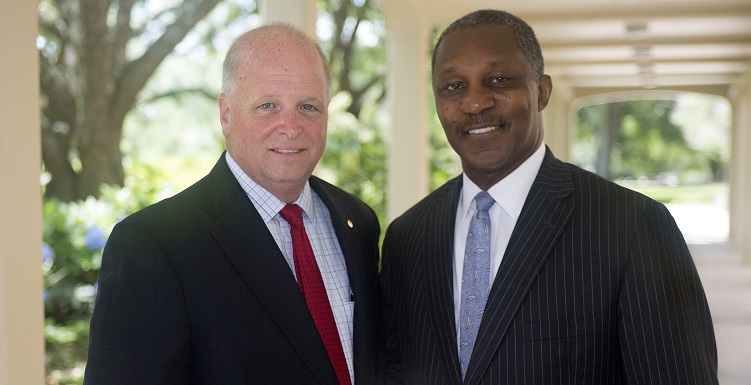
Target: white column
[(301, 13), (21, 307), (740, 178), (558, 120), (409, 66)]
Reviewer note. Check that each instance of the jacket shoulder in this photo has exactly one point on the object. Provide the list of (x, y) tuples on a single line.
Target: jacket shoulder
[(337, 196), (440, 203)]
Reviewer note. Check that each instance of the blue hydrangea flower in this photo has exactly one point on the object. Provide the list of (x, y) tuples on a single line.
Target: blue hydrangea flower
[(95, 238), (48, 254)]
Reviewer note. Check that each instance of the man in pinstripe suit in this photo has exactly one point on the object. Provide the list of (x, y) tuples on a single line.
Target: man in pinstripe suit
[(590, 283)]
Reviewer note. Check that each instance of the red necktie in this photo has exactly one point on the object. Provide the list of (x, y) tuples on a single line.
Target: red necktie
[(311, 285)]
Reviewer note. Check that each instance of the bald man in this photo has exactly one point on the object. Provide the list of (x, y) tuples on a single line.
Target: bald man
[(259, 273)]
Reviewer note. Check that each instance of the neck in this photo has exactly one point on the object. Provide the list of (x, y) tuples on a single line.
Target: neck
[(286, 194)]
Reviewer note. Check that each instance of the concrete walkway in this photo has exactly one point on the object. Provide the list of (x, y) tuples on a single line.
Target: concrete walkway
[(727, 282)]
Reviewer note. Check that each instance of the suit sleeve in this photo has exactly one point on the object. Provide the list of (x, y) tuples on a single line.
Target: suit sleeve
[(139, 330), (665, 327)]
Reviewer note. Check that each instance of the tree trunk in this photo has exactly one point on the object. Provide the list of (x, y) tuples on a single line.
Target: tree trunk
[(608, 136), (89, 87)]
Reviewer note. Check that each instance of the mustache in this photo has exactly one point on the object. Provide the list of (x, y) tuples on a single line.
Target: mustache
[(481, 119)]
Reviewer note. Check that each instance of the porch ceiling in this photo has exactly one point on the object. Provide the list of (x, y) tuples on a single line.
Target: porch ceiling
[(599, 46)]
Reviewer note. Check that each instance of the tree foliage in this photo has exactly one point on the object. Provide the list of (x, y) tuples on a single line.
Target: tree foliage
[(353, 34), (640, 138), (90, 78), (74, 234)]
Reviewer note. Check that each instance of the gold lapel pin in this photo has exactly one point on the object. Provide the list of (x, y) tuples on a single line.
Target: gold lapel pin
[(350, 224)]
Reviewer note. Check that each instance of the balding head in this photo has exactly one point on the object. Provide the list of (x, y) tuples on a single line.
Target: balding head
[(263, 40)]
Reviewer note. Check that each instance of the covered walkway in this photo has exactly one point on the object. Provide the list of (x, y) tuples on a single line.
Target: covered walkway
[(593, 50)]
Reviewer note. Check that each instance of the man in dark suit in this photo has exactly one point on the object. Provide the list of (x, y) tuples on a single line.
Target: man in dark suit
[(525, 269), (207, 288)]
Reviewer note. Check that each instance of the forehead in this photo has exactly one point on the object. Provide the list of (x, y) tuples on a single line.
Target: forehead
[(276, 53), (473, 43), (281, 60)]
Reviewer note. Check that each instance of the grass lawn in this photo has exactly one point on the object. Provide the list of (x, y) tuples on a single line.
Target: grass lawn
[(698, 193)]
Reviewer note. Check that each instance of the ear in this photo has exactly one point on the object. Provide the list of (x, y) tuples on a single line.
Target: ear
[(544, 89), (224, 113)]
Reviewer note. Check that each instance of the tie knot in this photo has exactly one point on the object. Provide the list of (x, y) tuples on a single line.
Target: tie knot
[(484, 201), (292, 213)]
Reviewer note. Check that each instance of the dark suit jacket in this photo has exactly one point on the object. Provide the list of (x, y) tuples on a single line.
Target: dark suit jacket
[(194, 290), (597, 286)]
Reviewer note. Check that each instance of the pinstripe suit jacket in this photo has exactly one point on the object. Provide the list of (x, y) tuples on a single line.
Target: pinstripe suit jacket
[(597, 286), (194, 290)]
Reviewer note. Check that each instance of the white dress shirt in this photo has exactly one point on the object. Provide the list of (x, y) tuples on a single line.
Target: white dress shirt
[(509, 195)]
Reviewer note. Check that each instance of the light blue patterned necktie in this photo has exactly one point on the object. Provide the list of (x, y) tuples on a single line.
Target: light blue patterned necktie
[(475, 278)]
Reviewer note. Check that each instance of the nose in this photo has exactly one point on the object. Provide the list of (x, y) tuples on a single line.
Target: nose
[(476, 100), (290, 124)]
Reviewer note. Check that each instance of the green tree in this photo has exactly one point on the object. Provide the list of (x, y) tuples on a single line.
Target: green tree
[(95, 57), (354, 38), (632, 139), (353, 34), (706, 124)]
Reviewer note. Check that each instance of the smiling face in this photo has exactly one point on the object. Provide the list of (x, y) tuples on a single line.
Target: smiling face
[(274, 117), (488, 100)]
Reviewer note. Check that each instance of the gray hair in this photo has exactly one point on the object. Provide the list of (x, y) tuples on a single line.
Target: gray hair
[(274, 30), (523, 34)]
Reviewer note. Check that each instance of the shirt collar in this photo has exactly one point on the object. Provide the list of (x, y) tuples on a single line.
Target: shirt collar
[(510, 192), (266, 203)]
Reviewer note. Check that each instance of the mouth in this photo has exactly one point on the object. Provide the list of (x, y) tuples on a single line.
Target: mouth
[(283, 151), (481, 124), (482, 130)]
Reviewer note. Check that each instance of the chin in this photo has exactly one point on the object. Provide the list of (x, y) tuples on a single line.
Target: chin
[(292, 176)]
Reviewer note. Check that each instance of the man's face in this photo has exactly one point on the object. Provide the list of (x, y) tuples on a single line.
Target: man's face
[(489, 101), (274, 122)]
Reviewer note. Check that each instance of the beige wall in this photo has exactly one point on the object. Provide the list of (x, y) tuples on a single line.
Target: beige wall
[(21, 308)]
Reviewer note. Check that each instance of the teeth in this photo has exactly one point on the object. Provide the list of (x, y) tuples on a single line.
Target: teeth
[(287, 151), (482, 130)]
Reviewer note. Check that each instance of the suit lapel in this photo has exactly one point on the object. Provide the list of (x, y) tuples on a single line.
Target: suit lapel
[(439, 255), (245, 239), (349, 238), (540, 224), (346, 229)]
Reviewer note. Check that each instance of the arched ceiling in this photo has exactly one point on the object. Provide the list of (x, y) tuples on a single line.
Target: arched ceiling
[(600, 46)]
